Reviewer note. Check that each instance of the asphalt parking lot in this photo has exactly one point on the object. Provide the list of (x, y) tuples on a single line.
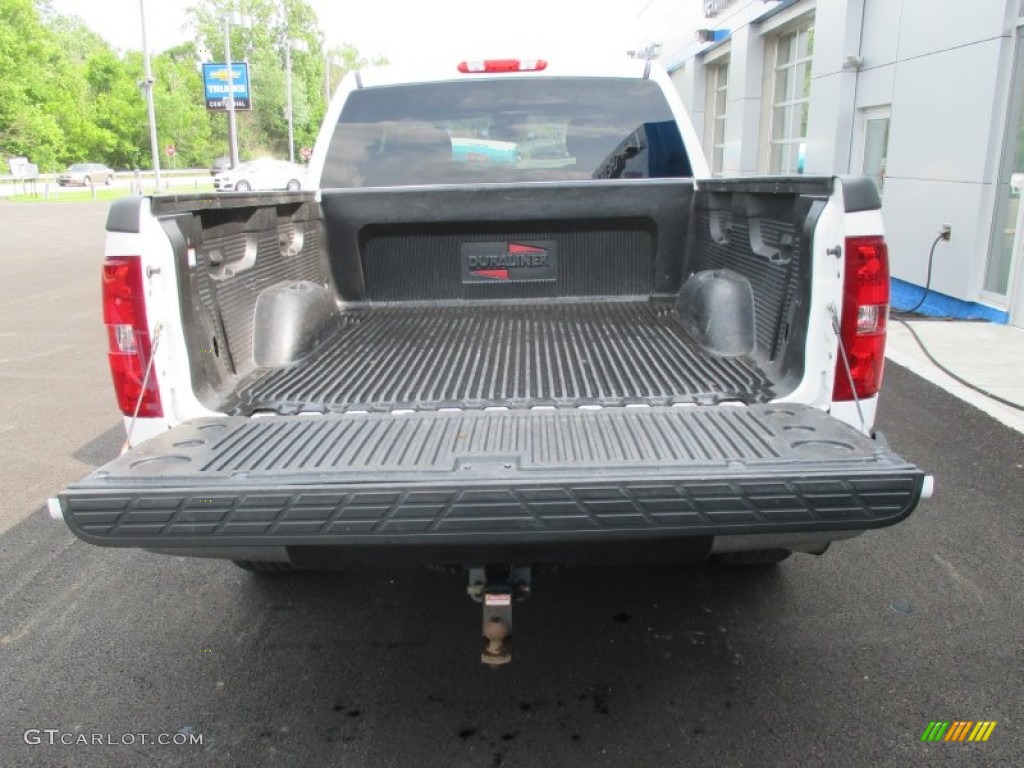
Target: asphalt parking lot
[(841, 660)]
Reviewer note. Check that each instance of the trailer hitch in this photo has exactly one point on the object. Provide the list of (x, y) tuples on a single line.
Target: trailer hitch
[(496, 587)]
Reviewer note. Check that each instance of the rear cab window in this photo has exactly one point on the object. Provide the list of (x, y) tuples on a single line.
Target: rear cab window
[(505, 130)]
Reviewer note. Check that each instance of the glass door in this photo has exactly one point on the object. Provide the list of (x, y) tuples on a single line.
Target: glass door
[(873, 145), (1003, 272)]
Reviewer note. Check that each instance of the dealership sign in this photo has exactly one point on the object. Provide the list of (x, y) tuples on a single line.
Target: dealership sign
[(216, 86)]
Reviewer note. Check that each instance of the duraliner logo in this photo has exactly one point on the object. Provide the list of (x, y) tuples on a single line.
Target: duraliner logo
[(531, 261)]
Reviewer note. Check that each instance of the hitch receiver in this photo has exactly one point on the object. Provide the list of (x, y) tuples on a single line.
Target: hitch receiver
[(496, 587)]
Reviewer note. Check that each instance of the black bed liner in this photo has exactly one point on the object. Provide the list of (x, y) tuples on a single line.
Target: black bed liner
[(522, 477), (565, 354)]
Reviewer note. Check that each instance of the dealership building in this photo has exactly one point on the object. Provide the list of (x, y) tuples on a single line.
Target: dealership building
[(923, 95)]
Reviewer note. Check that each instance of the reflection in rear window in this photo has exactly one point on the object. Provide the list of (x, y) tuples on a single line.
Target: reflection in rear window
[(506, 130)]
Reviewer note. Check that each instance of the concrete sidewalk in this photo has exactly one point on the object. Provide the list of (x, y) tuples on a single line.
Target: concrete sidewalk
[(987, 355)]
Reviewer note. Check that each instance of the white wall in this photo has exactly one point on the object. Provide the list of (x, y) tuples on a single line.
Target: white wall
[(942, 65), (946, 101)]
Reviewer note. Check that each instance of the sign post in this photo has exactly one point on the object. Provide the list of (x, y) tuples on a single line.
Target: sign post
[(232, 128)]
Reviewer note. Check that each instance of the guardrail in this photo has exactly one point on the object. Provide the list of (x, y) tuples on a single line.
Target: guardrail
[(45, 185)]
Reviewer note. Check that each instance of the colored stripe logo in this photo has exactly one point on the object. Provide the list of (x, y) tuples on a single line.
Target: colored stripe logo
[(958, 730)]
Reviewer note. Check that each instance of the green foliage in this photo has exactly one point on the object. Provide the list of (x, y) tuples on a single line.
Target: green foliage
[(27, 56), (182, 119), (259, 33), (66, 96)]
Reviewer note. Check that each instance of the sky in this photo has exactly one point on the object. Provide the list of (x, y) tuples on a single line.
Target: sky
[(406, 31)]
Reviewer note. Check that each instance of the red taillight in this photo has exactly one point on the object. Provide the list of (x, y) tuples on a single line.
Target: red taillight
[(124, 313), (864, 317), (502, 65)]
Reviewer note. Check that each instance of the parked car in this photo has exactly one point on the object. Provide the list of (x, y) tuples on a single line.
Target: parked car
[(86, 174), (220, 165), (266, 173)]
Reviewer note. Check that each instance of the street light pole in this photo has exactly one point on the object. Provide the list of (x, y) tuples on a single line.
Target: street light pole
[(288, 87), (329, 61), (148, 85), (230, 101), (327, 77)]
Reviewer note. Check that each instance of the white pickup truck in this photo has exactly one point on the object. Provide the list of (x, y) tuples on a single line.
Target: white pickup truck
[(593, 353)]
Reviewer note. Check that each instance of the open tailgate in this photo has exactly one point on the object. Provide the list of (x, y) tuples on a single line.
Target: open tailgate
[(540, 475)]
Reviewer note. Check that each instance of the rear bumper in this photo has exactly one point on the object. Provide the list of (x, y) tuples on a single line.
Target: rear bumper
[(679, 548), (444, 487), (336, 514)]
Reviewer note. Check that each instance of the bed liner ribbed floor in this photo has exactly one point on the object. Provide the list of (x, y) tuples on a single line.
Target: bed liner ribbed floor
[(569, 354)]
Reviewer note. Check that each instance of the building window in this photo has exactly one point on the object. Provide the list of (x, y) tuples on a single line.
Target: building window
[(874, 144), (790, 97), (714, 133)]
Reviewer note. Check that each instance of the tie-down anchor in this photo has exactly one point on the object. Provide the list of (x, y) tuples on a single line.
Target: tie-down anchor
[(497, 587)]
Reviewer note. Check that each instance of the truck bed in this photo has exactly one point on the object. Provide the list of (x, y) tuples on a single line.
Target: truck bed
[(364, 300), (569, 354), (337, 336)]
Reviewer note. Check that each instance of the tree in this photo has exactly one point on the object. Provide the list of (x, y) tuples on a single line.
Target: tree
[(261, 41), (77, 41), (67, 96), (116, 111), (182, 117), (28, 58), (346, 58), (64, 94)]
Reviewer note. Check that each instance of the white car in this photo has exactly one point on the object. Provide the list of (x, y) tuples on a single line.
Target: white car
[(266, 173), (86, 174)]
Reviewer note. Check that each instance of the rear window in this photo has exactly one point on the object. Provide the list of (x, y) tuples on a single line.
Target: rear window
[(475, 131)]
